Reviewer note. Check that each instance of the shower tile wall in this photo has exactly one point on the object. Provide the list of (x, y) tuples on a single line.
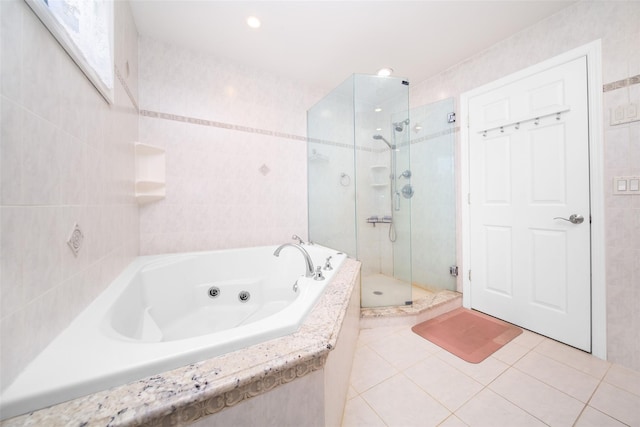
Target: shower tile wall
[(618, 25), (66, 157), (237, 179)]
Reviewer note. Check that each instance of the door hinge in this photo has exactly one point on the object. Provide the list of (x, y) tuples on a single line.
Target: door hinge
[(469, 275), (468, 198)]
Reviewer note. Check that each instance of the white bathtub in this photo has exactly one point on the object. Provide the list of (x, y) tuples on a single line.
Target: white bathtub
[(159, 315)]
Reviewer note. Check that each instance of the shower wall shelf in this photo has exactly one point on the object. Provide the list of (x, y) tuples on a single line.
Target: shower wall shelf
[(150, 173), (379, 175)]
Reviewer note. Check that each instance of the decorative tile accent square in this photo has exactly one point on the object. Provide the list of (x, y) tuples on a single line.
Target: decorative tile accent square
[(75, 240), (264, 170)]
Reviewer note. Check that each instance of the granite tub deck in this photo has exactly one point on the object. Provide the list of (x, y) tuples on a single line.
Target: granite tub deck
[(187, 394)]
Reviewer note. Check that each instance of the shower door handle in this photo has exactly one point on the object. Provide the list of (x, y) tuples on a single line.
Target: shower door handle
[(396, 201), (574, 219)]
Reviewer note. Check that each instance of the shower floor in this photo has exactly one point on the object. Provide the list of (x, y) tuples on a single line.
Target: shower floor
[(379, 290)]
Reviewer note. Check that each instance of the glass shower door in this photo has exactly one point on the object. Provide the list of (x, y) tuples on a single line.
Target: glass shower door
[(383, 214), (434, 204), (330, 170), (358, 148)]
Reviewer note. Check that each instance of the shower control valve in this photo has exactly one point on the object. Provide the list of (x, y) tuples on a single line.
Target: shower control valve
[(327, 264), (405, 174)]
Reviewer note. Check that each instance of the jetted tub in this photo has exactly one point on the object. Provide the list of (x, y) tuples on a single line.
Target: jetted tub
[(168, 311)]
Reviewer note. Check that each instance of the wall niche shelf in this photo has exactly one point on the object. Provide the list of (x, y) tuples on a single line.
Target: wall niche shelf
[(150, 173), (379, 176)]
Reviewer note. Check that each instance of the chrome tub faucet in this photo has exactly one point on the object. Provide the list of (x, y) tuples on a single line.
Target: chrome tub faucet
[(309, 264)]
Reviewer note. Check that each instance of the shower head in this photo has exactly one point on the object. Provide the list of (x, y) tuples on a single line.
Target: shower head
[(380, 137), (399, 126)]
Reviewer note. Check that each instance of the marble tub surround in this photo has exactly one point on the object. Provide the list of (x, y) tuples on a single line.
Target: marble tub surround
[(186, 394)]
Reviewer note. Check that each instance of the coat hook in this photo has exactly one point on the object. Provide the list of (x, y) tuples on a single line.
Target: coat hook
[(537, 122), (517, 125), (501, 129), (484, 133), (557, 116)]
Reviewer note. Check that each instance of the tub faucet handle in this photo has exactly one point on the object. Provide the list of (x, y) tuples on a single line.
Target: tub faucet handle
[(318, 274), (327, 264), (298, 238)]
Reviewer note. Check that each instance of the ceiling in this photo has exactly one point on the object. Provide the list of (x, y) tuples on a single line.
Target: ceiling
[(321, 43)]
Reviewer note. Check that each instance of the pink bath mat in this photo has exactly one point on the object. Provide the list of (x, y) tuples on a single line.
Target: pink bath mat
[(468, 334)]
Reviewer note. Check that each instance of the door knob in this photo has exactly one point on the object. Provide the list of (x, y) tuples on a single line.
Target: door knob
[(574, 219)]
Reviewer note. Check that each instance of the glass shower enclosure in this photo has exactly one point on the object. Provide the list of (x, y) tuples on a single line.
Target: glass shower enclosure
[(360, 182)]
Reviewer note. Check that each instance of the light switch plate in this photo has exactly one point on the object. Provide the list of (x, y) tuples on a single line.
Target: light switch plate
[(622, 114), (626, 185)]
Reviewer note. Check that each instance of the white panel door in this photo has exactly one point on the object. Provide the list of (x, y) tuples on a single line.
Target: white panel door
[(529, 169)]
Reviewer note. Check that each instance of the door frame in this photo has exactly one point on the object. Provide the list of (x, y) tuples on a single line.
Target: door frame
[(593, 53)]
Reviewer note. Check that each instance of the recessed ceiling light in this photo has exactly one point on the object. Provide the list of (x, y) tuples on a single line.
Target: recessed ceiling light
[(385, 72), (378, 109), (378, 129), (253, 22)]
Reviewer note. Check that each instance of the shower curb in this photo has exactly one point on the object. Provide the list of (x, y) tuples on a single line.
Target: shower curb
[(422, 309)]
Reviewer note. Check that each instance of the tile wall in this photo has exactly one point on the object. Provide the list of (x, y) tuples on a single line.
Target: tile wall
[(617, 24), (66, 158), (235, 144)]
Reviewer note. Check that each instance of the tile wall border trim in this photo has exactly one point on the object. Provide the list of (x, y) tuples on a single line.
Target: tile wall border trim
[(221, 125), (620, 84), (248, 129)]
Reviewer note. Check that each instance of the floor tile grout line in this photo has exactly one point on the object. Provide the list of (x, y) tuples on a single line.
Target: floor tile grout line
[(552, 386), (432, 396), (509, 366), (396, 331), (374, 410), (441, 350), (383, 380), (580, 352), (402, 372), (556, 388), (602, 381), (584, 405)]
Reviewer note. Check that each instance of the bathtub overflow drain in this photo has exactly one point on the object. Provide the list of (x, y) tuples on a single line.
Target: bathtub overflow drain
[(214, 292), (244, 296)]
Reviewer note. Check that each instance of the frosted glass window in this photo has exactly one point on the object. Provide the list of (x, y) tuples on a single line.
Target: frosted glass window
[(85, 29)]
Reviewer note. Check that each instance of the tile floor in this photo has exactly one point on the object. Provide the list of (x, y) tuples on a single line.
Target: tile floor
[(401, 379)]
